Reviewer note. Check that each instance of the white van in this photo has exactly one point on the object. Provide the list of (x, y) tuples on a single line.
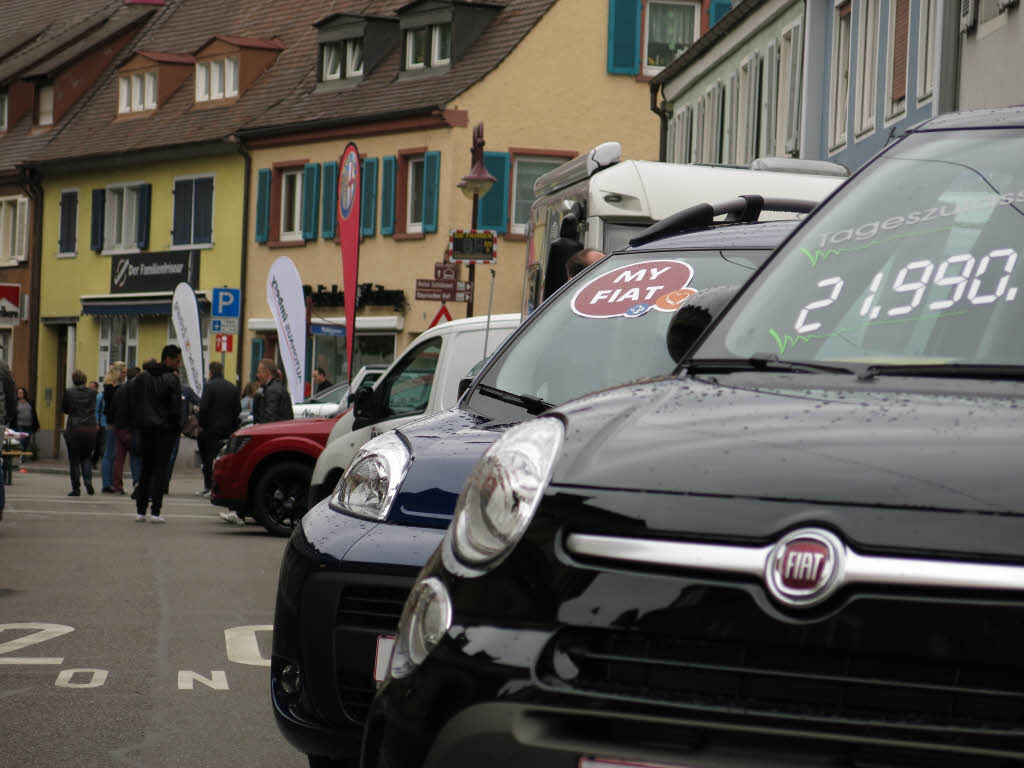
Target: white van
[(423, 380), (602, 201)]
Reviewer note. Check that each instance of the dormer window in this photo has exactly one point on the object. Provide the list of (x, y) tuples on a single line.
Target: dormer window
[(136, 92), (44, 105), (217, 79), (342, 59), (428, 46)]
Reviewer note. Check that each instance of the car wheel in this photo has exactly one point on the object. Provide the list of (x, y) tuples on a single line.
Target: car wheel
[(279, 500)]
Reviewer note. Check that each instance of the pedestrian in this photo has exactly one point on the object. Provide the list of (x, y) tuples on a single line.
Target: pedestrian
[(26, 420), (8, 408), (108, 431), (79, 403), (580, 260), (272, 402), (101, 431), (248, 394), (320, 377), (218, 418), (155, 402), (122, 421)]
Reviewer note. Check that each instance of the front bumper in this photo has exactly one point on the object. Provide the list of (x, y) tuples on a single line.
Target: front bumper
[(230, 487), (337, 594)]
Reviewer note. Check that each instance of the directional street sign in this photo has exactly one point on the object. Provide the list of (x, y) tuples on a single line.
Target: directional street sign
[(227, 302), (444, 290), (224, 325)]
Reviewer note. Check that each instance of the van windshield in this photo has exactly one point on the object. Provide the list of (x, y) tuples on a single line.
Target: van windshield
[(914, 263), (609, 326)]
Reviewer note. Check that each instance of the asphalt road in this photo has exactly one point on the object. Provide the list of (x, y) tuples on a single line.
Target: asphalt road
[(133, 644)]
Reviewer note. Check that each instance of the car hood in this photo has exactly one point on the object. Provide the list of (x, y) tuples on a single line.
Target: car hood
[(445, 447), (316, 429), (803, 437)]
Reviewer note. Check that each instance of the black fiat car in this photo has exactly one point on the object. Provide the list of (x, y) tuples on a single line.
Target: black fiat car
[(806, 548)]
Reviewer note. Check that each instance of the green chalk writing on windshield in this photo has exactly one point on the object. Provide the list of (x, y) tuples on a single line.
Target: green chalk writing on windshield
[(786, 341), (819, 255)]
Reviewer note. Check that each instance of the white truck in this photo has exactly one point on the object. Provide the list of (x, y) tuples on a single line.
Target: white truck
[(423, 380)]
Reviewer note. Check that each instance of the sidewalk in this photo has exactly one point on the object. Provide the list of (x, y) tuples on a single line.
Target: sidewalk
[(60, 467)]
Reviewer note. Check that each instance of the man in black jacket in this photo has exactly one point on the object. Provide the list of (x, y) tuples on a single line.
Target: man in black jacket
[(273, 403), (218, 418), (155, 402)]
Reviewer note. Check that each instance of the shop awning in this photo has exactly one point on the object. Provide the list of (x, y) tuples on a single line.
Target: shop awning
[(134, 305)]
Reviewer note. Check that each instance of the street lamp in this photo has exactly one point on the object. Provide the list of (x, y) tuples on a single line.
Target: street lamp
[(474, 185)]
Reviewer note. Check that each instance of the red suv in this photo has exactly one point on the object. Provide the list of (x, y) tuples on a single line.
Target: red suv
[(264, 470)]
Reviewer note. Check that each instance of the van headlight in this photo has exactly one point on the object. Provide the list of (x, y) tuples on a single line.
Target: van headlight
[(371, 482), (426, 618), (501, 496)]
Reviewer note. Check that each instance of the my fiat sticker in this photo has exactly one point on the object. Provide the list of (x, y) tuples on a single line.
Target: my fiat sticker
[(633, 290)]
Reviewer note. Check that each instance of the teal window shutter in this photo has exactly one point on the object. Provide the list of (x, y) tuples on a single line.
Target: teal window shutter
[(492, 208), (718, 9), (388, 169), (256, 356), (368, 198), (142, 212), (310, 200), (330, 200), (263, 178), (99, 200), (431, 182), (624, 21)]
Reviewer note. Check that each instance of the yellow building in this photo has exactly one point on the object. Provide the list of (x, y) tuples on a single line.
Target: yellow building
[(537, 74)]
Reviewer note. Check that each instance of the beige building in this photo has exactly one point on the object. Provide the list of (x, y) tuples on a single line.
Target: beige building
[(407, 83)]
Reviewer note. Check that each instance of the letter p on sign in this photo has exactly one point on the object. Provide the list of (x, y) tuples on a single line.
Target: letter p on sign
[(227, 302)]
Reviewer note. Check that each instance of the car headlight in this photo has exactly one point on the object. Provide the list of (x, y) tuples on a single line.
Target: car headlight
[(426, 618), (501, 496), (234, 444), (372, 481)]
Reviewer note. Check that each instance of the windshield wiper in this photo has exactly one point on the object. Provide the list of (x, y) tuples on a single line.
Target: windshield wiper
[(950, 370), (771, 363), (533, 405)]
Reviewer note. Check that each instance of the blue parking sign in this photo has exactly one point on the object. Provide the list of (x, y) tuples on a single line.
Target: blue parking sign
[(227, 302)]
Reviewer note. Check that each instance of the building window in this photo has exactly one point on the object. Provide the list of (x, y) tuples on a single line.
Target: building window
[(217, 79), (44, 113), (428, 46), (441, 45), (342, 59), (791, 62), (136, 93), (3, 111), (68, 239), (291, 205), (839, 89), (193, 212), (119, 340), (896, 61), (670, 28), (121, 218), (525, 172), (926, 50), (6, 344), (867, 65), (13, 229), (414, 195)]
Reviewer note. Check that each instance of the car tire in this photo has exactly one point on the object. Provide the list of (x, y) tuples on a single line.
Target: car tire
[(279, 498)]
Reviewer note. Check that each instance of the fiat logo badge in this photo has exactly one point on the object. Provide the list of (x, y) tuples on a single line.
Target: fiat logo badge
[(805, 567)]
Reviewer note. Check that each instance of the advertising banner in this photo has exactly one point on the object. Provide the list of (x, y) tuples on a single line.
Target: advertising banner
[(288, 305), (185, 316), (153, 272), (348, 233)]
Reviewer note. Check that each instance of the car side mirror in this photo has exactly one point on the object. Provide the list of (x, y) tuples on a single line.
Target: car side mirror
[(694, 316), (464, 385), (364, 404)]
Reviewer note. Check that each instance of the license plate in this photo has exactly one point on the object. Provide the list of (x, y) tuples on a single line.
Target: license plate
[(385, 644), (598, 762)]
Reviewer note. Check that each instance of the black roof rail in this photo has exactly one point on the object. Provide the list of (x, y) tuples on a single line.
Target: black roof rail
[(745, 208)]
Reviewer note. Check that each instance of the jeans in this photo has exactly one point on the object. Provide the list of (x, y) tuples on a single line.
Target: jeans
[(122, 443), (80, 443), (157, 445), (136, 457), (109, 457)]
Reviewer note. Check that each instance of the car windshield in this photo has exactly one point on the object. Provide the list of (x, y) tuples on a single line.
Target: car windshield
[(913, 263), (610, 326), (333, 394)]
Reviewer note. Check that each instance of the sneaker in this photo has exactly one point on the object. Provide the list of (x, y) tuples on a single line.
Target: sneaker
[(140, 518), (75, 492), (157, 519), (231, 517), (207, 491), (89, 489)]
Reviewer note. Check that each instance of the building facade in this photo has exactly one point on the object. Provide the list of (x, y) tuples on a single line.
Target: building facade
[(991, 35)]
